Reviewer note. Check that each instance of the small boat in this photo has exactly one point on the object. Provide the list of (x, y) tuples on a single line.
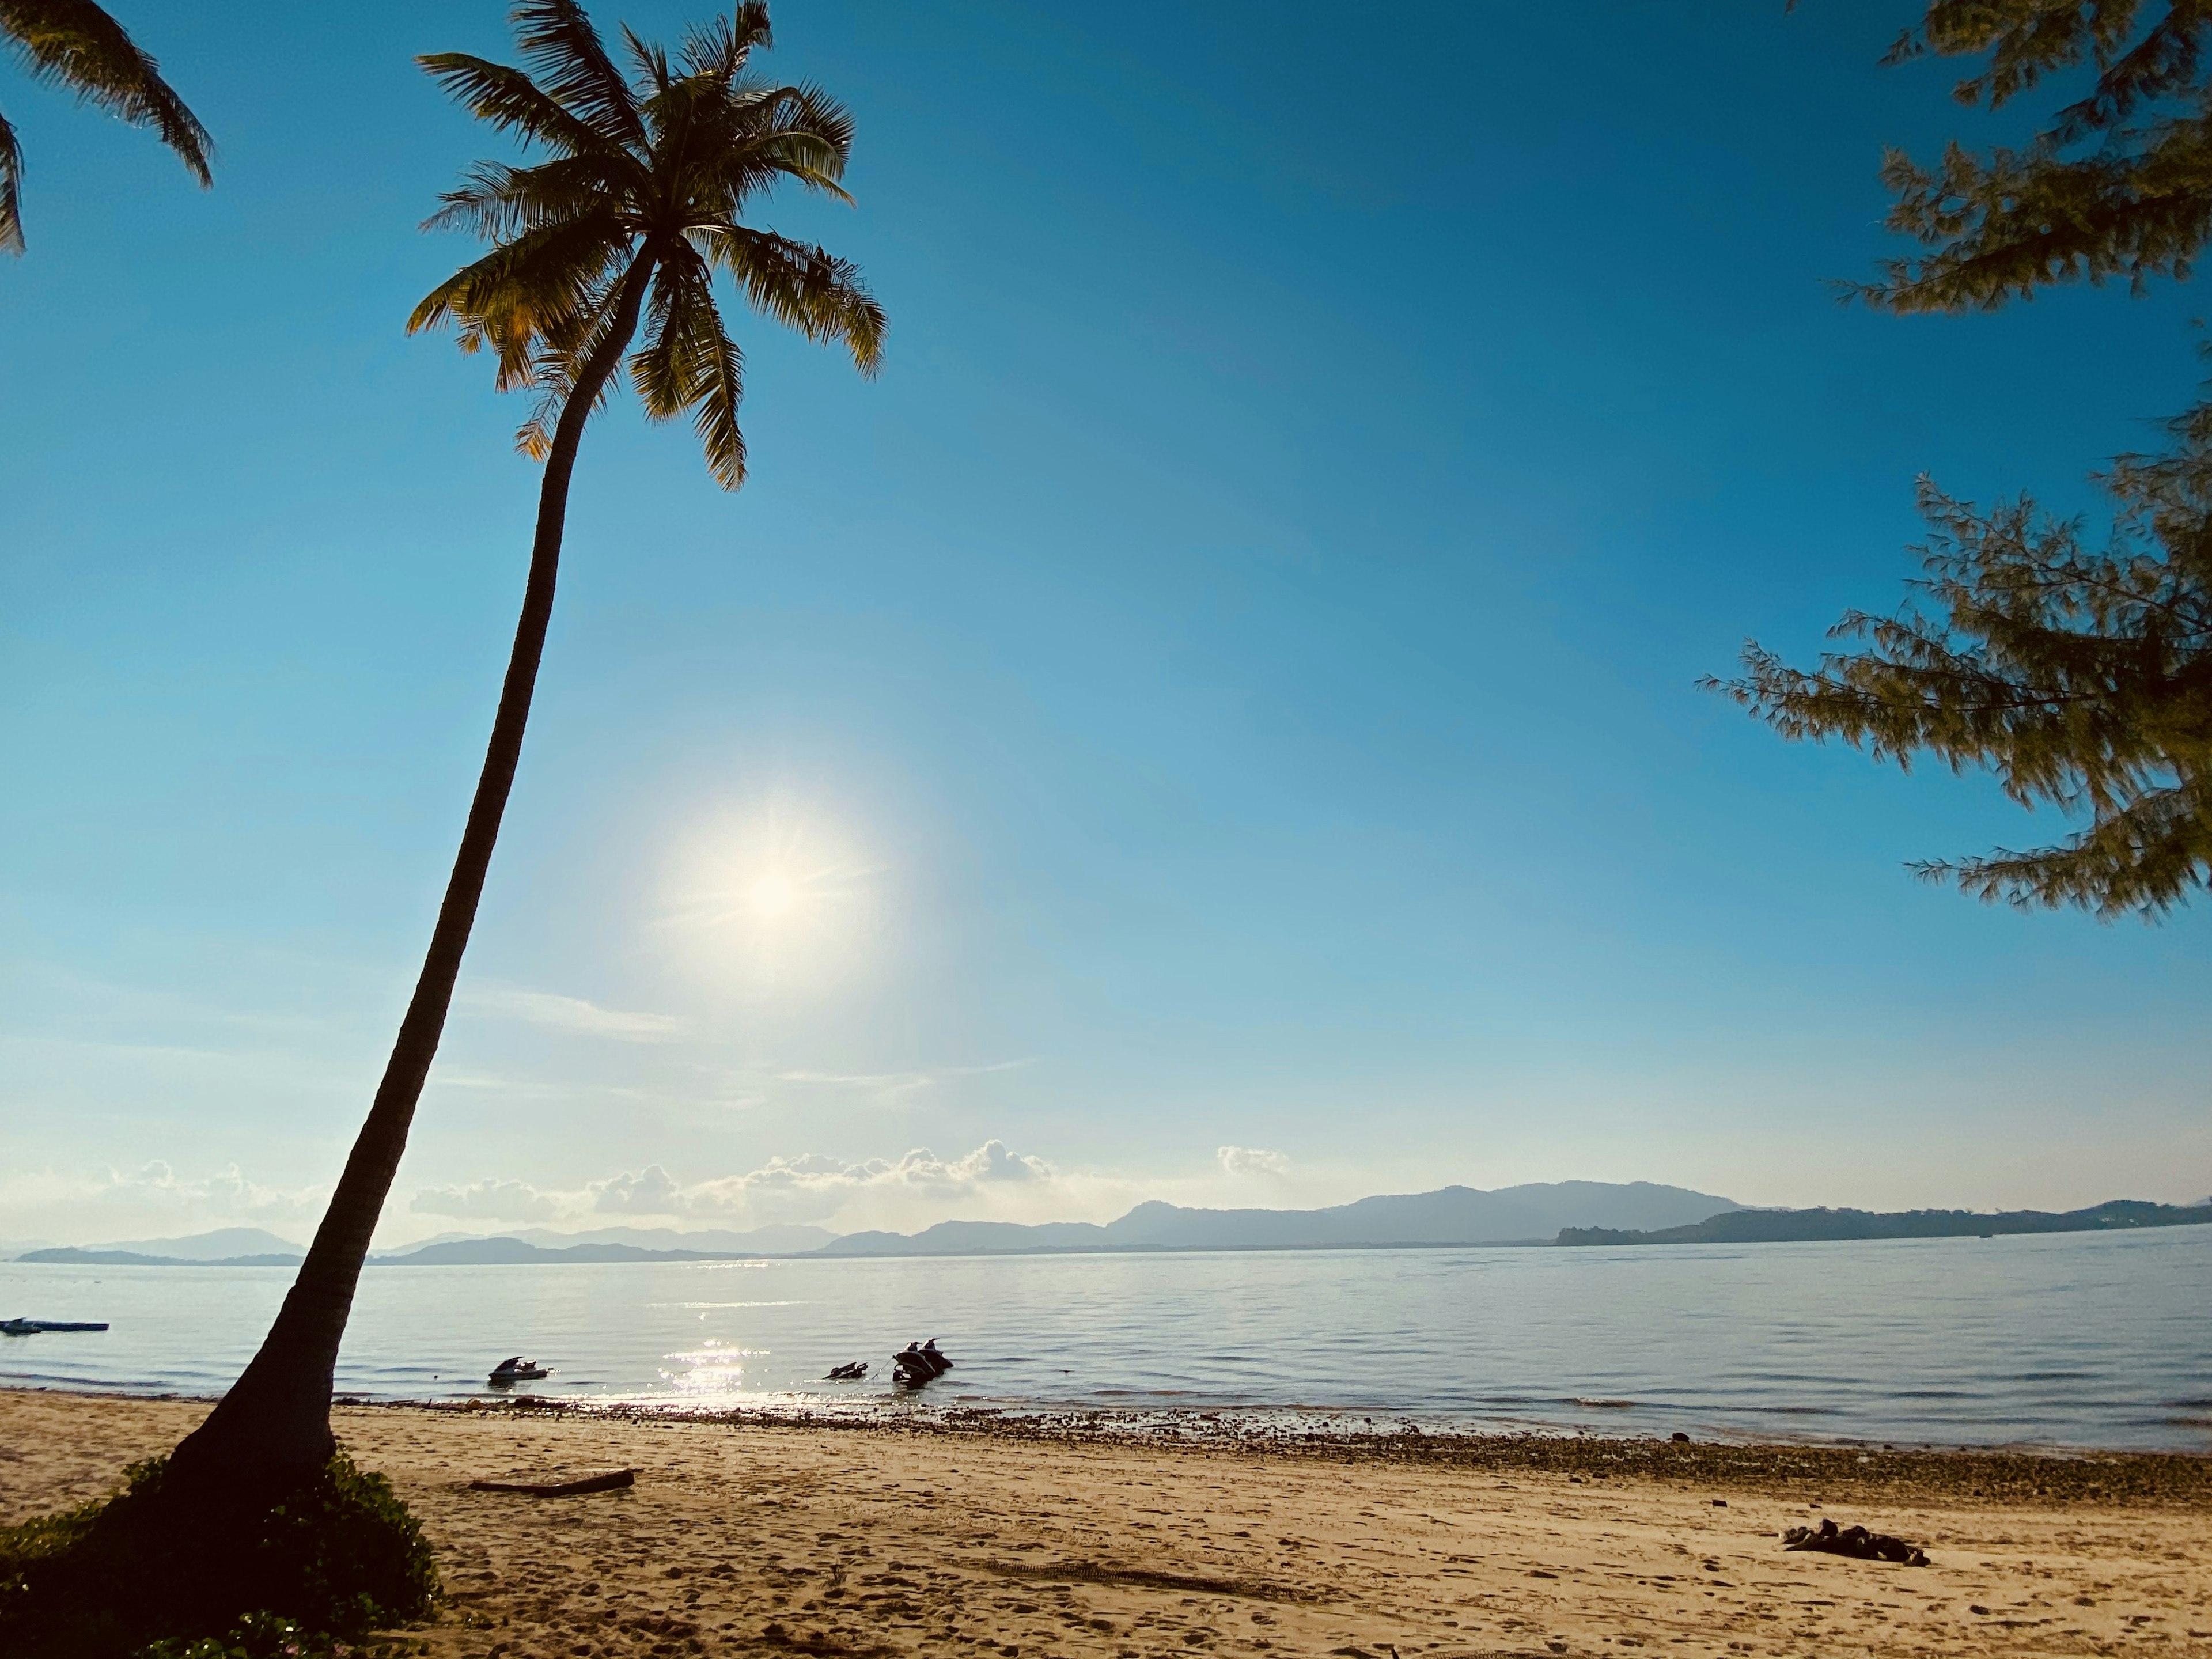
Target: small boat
[(517, 1370), (853, 1372), (33, 1326)]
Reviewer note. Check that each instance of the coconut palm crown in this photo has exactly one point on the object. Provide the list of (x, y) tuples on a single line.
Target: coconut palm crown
[(74, 43), (639, 202)]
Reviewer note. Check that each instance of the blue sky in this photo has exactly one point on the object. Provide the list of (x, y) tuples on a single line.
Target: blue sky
[(1227, 684)]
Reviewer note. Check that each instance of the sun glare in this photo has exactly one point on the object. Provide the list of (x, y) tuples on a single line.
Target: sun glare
[(772, 896)]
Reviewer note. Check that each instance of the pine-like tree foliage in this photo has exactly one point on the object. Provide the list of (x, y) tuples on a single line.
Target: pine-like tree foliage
[(647, 178), (74, 43), (2081, 677), (2117, 184)]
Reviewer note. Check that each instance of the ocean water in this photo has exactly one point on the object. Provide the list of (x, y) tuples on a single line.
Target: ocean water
[(2081, 1340)]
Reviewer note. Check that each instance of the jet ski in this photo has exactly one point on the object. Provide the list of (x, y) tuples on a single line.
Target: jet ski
[(517, 1370), (913, 1366)]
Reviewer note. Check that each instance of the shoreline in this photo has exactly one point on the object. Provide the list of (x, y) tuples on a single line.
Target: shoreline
[(911, 1540), (1994, 1474)]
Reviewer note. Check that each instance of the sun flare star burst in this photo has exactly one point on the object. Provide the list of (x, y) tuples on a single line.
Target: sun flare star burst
[(776, 893), (772, 896)]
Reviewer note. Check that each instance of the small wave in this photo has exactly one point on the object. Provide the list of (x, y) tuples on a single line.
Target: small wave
[(1146, 1393)]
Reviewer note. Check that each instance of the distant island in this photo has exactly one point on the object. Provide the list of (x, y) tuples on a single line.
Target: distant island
[(69, 1255), (249, 1247), (1528, 1214), (1806, 1227), (1570, 1213)]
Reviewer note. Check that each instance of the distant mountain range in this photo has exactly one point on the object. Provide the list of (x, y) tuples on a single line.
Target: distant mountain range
[(511, 1251), (249, 1247), (760, 1240), (221, 1244), (1572, 1213), (1454, 1215), (226, 1247), (1789, 1226)]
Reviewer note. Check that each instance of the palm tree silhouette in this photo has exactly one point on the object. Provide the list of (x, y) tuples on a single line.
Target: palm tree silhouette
[(627, 221), (74, 43)]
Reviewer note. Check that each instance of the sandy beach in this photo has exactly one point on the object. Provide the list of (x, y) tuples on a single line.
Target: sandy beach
[(744, 1537)]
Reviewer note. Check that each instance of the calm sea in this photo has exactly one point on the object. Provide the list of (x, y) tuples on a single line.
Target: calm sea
[(2084, 1340)]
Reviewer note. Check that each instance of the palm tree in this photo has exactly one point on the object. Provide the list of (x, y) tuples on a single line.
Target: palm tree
[(75, 44), (626, 222)]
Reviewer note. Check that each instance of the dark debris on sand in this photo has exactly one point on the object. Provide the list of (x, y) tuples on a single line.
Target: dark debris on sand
[(1993, 1476), (1856, 1542)]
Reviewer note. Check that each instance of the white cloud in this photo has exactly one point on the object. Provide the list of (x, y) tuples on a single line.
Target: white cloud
[(890, 1086), (653, 1193), (991, 1182), (1253, 1160), (227, 1192), (569, 1014), (490, 1200), (150, 1201), (884, 1085), (909, 1191), (816, 1187)]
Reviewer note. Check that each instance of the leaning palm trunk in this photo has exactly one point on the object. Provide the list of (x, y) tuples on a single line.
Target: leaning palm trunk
[(273, 1425), (625, 226)]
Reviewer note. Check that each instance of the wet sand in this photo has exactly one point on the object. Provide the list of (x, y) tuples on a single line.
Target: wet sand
[(983, 1537)]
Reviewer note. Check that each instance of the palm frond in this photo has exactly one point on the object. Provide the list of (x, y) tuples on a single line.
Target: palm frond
[(651, 60), (500, 201), (770, 133), (559, 43), (690, 362), (720, 48), (11, 199), (511, 102), (525, 292), (568, 345), (807, 289), (73, 43)]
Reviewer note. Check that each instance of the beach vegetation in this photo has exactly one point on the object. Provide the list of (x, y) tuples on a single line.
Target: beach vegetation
[(74, 44), (2115, 184), (2080, 676), (336, 1557), (605, 256)]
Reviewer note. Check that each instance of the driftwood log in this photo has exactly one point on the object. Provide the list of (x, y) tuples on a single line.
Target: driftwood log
[(1854, 1542), (614, 1482)]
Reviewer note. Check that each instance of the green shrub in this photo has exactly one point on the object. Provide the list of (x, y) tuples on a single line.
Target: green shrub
[(143, 1573)]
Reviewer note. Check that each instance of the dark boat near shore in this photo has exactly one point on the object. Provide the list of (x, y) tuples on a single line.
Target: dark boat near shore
[(35, 1326)]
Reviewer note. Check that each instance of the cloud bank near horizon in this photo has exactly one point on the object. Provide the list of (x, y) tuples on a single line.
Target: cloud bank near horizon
[(814, 1187), (991, 1182)]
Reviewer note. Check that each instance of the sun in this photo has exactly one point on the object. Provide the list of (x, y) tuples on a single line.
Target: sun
[(772, 896)]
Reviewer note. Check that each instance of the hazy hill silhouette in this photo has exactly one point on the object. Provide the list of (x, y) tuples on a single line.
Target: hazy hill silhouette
[(1453, 1215)]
